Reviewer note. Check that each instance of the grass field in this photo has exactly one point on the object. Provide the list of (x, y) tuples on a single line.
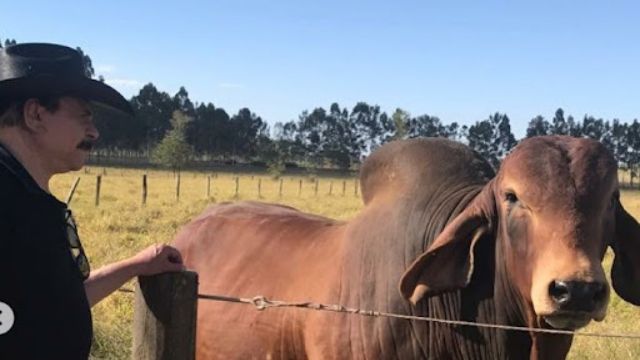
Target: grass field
[(121, 225)]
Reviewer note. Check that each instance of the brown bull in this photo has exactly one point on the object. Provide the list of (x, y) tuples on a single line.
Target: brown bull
[(522, 248)]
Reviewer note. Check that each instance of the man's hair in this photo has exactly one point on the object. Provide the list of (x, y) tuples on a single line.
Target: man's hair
[(11, 110)]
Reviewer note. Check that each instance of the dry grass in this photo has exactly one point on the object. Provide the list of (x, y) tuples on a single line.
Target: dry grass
[(120, 226)]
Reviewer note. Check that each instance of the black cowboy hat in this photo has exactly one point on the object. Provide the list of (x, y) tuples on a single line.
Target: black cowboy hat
[(32, 70)]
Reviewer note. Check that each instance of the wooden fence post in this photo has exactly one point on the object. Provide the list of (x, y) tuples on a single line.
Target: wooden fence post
[(178, 187), (317, 182), (144, 189), (209, 187), (344, 187), (259, 187), (164, 319), (280, 191), (98, 182), (300, 188), (331, 188), (237, 186), (355, 187), (72, 190)]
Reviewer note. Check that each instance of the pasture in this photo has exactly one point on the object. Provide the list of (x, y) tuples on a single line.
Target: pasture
[(120, 226)]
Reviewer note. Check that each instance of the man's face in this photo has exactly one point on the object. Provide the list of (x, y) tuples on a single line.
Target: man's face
[(68, 134)]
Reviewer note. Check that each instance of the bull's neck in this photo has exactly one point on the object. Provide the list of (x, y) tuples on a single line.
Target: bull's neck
[(517, 311), (383, 242), (510, 307)]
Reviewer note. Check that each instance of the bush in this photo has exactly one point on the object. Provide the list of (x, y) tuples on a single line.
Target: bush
[(275, 168)]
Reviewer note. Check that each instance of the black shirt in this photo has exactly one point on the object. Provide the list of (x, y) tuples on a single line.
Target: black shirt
[(39, 279)]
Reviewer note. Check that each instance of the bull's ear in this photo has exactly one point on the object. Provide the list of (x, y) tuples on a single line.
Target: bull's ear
[(625, 273), (448, 262)]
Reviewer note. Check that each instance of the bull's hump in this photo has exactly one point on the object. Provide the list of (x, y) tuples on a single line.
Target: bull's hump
[(406, 165)]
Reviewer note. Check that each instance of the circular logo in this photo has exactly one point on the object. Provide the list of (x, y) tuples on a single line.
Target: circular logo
[(6, 318)]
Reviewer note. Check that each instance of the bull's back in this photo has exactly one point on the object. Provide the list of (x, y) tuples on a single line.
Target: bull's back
[(247, 249)]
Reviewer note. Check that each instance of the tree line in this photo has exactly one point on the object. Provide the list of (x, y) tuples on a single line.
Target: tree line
[(336, 136), (174, 129)]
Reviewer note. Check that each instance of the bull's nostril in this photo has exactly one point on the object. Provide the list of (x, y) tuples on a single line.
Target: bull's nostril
[(559, 292), (600, 293)]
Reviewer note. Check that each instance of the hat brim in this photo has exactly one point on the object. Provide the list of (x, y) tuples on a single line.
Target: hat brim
[(88, 89)]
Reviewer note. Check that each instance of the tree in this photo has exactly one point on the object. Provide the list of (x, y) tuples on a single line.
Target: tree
[(342, 145), (453, 131), (480, 137), (182, 103), (400, 121), (287, 143), (430, 126), (492, 138), (559, 125), (8, 42), (369, 125), (574, 128), (619, 143), (538, 126), (596, 129), (209, 132), (153, 109), (245, 128), (633, 142), (174, 151), (310, 128)]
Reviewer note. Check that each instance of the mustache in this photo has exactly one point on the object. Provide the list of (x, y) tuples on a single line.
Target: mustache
[(86, 144)]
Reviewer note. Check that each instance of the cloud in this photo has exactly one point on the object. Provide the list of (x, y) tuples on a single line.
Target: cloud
[(230, 86), (127, 83)]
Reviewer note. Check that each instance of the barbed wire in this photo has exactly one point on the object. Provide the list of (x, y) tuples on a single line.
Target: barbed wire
[(262, 303)]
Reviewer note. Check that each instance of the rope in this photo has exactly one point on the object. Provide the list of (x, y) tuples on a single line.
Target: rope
[(262, 303)]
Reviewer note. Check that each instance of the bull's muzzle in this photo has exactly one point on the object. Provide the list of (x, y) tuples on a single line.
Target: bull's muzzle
[(577, 303)]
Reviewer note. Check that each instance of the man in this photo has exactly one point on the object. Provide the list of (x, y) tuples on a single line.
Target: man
[(46, 128)]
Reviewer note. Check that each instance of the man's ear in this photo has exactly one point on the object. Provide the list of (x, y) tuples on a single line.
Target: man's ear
[(31, 112), (448, 262), (625, 272)]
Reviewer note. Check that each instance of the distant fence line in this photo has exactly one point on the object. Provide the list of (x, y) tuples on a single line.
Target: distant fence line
[(241, 186), (209, 186)]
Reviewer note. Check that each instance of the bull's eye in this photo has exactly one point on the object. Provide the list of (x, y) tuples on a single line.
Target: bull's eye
[(510, 197)]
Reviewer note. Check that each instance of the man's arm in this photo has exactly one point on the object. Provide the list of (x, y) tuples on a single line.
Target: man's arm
[(152, 260)]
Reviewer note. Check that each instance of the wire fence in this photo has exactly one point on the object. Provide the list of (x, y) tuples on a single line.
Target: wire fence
[(261, 303), (233, 186)]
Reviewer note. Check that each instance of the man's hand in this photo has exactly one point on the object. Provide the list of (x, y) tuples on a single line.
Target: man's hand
[(153, 260), (157, 259)]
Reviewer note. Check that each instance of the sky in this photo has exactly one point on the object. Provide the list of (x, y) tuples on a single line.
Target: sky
[(458, 60)]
